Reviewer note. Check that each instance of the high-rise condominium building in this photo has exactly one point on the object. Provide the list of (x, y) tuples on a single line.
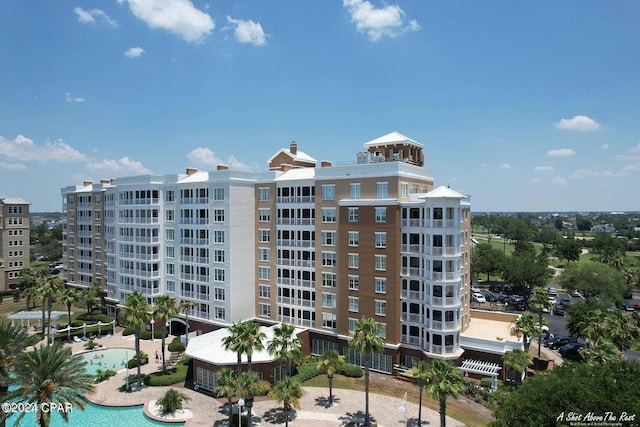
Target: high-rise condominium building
[(14, 240), (314, 244)]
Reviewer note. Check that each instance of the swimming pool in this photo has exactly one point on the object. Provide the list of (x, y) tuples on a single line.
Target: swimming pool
[(110, 358), (96, 415)]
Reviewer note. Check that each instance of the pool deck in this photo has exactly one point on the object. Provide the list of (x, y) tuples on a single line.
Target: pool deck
[(208, 412)]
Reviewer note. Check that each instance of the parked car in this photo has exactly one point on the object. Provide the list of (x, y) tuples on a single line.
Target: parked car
[(636, 306), (478, 297), (566, 301), (491, 297), (475, 288), (577, 293), (552, 291), (628, 305), (572, 349), (495, 287), (555, 343), (504, 299), (516, 298), (558, 310)]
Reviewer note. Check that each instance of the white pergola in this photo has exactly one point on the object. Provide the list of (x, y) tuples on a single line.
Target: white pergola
[(34, 315), (481, 367)]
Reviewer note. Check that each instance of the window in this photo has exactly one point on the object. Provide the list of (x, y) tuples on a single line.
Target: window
[(353, 214), (264, 215), (218, 215), (381, 262), (383, 190), (381, 285), (169, 196), (329, 259), (169, 215), (404, 189), (265, 310), (171, 269), (381, 308), (381, 239), (218, 194), (264, 273), (329, 320), (354, 304), (355, 190), (329, 215), (218, 236), (264, 235), (218, 255), (328, 300), (381, 214), (171, 286), (264, 194), (218, 274), (353, 238), (329, 280), (263, 254), (382, 333), (354, 260), (170, 251), (329, 238), (219, 313), (218, 294), (169, 234), (354, 282), (352, 325), (329, 192), (265, 291)]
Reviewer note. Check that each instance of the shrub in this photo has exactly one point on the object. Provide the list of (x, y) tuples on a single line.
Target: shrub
[(174, 375), (91, 344), (171, 402), (145, 335), (144, 359), (350, 370), (176, 345), (94, 318), (307, 371), (128, 331), (104, 375)]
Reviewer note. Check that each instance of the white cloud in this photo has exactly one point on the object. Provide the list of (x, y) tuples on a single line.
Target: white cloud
[(581, 123), (636, 149), (378, 22), (543, 168), (248, 31), (134, 52), (13, 166), (122, 167), (629, 169), (70, 98), (561, 152), (584, 173), (605, 146), (504, 166), (89, 16), (205, 157), (179, 17), (24, 150), (559, 181)]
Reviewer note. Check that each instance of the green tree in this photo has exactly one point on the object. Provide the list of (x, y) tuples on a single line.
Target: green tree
[(527, 325), (48, 290), (252, 339), (226, 386), (28, 286), (568, 248), (595, 280), (601, 351), (443, 380), (164, 309), (330, 361), (366, 340), (68, 297), (232, 342), (539, 302), (13, 341), (171, 402), (421, 374), (548, 237), (51, 375), (288, 392), (572, 387), (249, 386), (185, 307), (526, 270), (583, 224), (136, 313), (89, 296), (486, 259), (516, 360), (285, 346)]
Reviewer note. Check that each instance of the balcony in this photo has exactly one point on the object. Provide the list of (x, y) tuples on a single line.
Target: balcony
[(296, 243), (286, 281), (296, 262), (194, 259), (194, 201), (194, 241), (194, 295), (295, 221), (415, 249), (197, 221), (411, 340), (445, 326), (138, 220), (444, 302), (411, 317), (412, 271), (195, 277), (442, 223), (296, 199), (416, 295), (294, 321), (145, 201), (296, 301), (443, 251)]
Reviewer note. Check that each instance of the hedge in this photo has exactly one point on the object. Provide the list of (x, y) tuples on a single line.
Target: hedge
[(174, 375), (144, 359), (306, 372), (128, 331), (350, 370), (176, 345), (93, 318)]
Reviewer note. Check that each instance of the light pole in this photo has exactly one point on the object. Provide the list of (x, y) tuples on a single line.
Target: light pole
[(240, 405), (403, 409), (152, 323), (168, 326)]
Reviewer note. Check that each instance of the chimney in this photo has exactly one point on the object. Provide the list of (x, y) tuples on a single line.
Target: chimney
[(222, 168), (104, 181), (191, 171), (112, 181), (87, 183), (293, 148), (325, 164)]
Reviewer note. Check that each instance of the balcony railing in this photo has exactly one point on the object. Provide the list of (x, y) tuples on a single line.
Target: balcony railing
[(411, 340), (296, 301), (412, 271), (296, 262), (411, 294), (286, 281), (444, 326), (411, 317), (294, 321), (296, 243), (296, 199), (295, 221), (194, 221), (413, 222)]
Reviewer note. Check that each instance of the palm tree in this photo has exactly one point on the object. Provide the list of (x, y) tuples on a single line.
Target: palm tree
[(285, 345), (28, 285), (51, 376), (89, 296), (171, 402), (420, 374), (444, 380), (252, 339), (250, 385), (164, 309), (136, 315), (232, 343), (68, 297), (539, 302), (601, 351), (226, 386), (287, 391), (12, 344), (527, 325), (366, 339), (186, 306), (330, 361), (517, 360), (48, 289)]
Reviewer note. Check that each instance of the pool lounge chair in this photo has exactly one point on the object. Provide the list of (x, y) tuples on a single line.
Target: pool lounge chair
[(76, 339)]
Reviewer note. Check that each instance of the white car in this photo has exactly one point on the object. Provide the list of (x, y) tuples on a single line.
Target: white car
[(552, 291), (478, 297), (475, 289)]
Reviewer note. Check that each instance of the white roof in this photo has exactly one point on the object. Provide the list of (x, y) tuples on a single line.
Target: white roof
[(200, 176), (297, 174), (209, 348), (299, 156), (13, 201), (392, 138), (443, 192)]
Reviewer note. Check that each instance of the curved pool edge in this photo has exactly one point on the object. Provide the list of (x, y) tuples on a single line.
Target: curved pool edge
[(148, 414)]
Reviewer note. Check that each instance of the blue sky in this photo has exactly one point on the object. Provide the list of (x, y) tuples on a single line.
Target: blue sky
[(524, 106)]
